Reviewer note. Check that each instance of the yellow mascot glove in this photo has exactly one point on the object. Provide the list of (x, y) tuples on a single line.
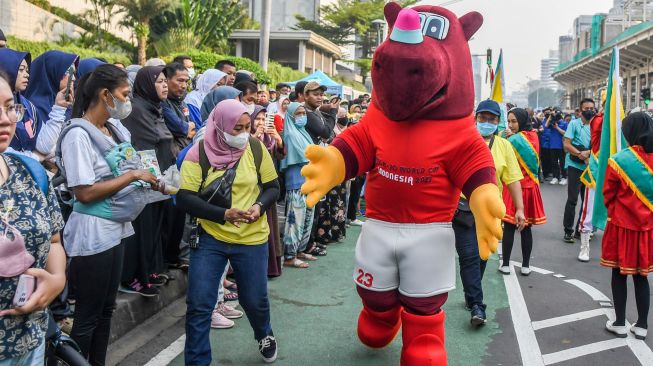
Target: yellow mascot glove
[(325, 170), (488, 209)]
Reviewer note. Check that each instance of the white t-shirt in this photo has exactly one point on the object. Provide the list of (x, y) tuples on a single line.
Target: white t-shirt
[(85, 165)]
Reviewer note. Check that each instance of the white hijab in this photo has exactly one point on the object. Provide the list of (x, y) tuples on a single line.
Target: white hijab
[(205, 83)]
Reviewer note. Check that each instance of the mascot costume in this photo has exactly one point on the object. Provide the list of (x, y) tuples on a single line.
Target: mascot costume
[(419, 145)]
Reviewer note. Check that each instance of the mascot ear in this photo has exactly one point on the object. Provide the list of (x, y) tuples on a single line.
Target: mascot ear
[(471, 22), (391, 11)]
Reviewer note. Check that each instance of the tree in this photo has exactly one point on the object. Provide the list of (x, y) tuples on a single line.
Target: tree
[(208, 23), (138, 14), (99, 15)]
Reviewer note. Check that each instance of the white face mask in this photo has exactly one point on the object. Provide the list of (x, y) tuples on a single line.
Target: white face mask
[(121, 110), (191, 73), (237, 142), (250, 107)]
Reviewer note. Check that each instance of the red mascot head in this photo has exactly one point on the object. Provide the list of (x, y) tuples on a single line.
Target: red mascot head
[(423, 70)]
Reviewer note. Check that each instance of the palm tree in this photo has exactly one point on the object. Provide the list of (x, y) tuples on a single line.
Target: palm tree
[(138, 14)]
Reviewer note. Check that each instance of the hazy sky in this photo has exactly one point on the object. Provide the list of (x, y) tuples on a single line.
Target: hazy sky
[(525, 29)]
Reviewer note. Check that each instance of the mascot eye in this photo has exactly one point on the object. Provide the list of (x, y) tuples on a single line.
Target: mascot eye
[(434, 26)]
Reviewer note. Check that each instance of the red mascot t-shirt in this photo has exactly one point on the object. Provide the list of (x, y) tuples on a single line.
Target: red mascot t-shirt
[(417, 168)]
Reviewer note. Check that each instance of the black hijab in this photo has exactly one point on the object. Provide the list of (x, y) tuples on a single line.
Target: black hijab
[(638, 130), (144, 84), (522, 117)]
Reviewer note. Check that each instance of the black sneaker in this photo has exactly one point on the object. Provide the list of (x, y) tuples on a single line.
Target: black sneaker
[(268, 348), (137, 288), (569, 238), (478, 316), (577, 235), (156, 280)]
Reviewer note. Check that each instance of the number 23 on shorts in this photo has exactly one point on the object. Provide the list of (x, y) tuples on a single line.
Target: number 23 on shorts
[(364, 278)]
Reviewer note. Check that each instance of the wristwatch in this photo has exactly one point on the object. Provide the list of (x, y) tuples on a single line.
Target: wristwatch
[(259, 203)]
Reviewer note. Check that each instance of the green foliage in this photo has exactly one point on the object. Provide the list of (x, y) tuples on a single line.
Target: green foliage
[(37, 48), (98, 38), (138, 14), (352, 83), (203, 60), (209, 21), (279, 73)]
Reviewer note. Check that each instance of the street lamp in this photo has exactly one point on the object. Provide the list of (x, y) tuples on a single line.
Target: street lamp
[(378, 23)]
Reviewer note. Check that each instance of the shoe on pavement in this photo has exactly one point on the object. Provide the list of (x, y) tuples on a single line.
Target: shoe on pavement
[(356, 222), (157, 280), (619, 330), (218, 321), (268, 348), (569, 238), (577, 235), (137, 288), (478, 316), (525, 271), (505, 270), (228, 311), (640, 333), (554, 181), (563, 182), (584, 255)]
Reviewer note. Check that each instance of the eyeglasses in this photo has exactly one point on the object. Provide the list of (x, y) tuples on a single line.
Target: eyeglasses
[(14, 112)]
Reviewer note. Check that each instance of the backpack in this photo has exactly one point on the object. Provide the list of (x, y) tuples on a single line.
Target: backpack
[(36, 170), (126, 204)]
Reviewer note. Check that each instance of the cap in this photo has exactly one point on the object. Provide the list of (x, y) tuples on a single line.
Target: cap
[(489, 106), (314, 85)]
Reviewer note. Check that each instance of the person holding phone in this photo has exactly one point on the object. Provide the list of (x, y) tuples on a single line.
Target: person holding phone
[(32, 218)]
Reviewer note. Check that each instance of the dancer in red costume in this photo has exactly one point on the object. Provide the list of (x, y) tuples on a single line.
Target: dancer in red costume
[(419, 145)]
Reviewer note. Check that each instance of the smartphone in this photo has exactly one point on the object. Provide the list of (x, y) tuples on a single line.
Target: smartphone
[(24, 290), (71, 75), (269, 121)]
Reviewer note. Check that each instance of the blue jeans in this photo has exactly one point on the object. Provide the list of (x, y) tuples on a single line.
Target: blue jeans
[(472, 267), (207, 263), (35, 357)]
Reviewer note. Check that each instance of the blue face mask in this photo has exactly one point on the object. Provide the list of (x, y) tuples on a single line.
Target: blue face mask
[(486, 128), (300, 121)]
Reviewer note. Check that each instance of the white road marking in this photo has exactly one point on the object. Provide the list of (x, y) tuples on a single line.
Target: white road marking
[(605, 304), (588, 349), (528, 346), (559, 275), (166, 356), (552, 322), (595, 294), (640, 349), (533, 268)]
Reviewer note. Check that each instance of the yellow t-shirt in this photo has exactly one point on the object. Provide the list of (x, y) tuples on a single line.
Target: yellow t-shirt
[(244, 191), (505, 162)]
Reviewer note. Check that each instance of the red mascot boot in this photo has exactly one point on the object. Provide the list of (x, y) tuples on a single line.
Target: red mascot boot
[(378, 329), (423, 338)]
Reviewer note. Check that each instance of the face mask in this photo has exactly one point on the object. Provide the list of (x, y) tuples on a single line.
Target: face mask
[(301, 121), (486, 128), (237, 142), (14, 258), (191, 73), (589, 114), (250, 107), (121, 109)]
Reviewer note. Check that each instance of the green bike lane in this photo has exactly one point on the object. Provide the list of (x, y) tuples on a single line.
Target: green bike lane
[(314, 315)]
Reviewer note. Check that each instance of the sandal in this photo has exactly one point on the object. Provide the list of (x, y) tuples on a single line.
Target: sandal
[(306, 257), (295, 263), (230, 285), (317, 251), (230, 296)]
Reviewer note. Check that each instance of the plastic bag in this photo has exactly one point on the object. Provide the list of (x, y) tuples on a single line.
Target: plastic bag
[(171, 180)]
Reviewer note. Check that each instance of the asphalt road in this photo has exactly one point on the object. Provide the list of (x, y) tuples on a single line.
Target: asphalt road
[(555, 316)]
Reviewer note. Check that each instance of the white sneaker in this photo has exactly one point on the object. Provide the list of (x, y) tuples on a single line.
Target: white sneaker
[(554, 181), (584, 255), (218, 321), (505, 270), (563, 182), (525, 271), (228, 311), (619, 330), (640, 333), (357, 222)]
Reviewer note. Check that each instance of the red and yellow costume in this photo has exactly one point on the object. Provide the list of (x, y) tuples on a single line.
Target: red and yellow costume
[(420, 148)]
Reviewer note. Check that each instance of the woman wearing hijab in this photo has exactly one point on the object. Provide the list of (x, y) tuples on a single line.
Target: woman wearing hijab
[(50, 73), (526, 144), (216, 96), (207, 81), (280, 115), (237, 234), (274, 144), (628, 238), (132, 70), (16, 64), (143, 259), (299, 218)]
